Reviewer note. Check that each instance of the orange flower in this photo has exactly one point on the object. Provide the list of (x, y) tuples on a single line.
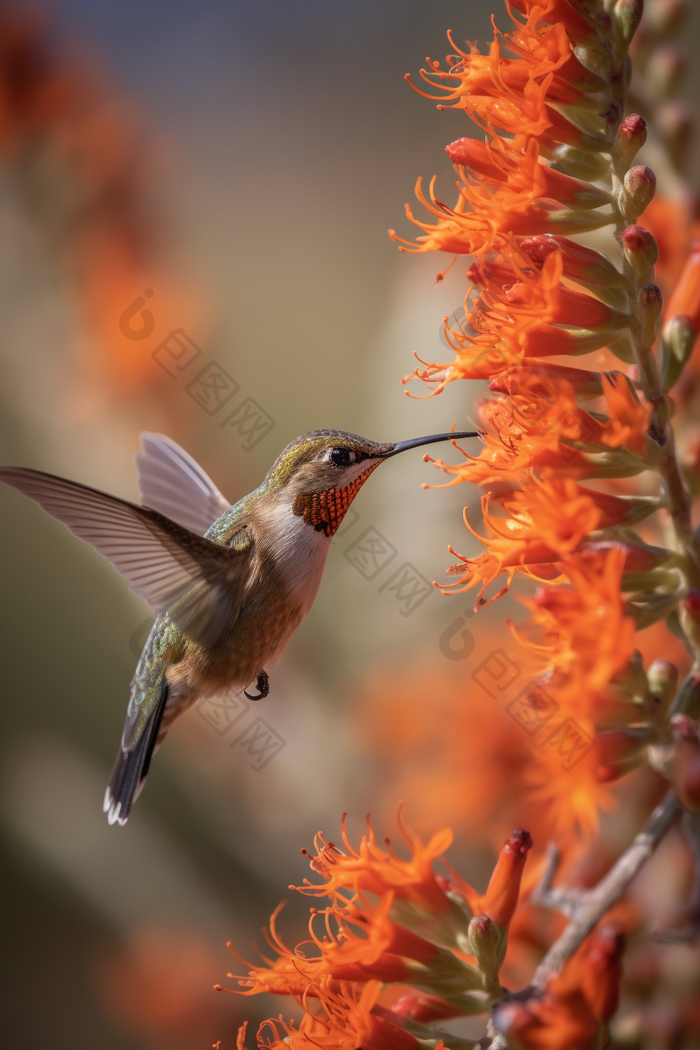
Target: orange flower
[(543, 380), (547, 520), (486, 212), (588, 637), (508, 279), (359, 944), (563, 779), (517, 316), (512, 94), (346, 1019), (576, 23), (370, 869), (498, 162), (629, 418)]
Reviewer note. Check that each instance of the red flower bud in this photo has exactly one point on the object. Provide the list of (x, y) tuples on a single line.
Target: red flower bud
[(640, 247), (602, 972), (424, 1008), (501, 898), (689, 615), (651, 295), (636, 239), (691, 604), (619, 751), (685, 767), (631, 136), (580, 263), (640, 186)]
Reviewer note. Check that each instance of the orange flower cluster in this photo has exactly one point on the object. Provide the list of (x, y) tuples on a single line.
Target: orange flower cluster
[(426, 930), (397, 922)]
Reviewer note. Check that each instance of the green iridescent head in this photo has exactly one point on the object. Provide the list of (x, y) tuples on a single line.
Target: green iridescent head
[(325, 459)]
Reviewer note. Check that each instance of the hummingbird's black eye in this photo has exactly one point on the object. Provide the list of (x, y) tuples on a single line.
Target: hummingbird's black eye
[(341, 457)]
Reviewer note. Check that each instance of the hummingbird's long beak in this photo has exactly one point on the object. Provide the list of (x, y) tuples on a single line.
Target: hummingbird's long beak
[(402, 446)]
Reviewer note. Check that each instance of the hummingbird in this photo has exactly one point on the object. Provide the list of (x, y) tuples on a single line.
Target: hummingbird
[(229, 585)]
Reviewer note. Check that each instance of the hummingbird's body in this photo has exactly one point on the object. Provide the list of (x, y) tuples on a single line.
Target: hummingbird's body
[(229, 584)]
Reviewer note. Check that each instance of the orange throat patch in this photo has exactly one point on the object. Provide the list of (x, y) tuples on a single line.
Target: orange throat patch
[(326, 510)]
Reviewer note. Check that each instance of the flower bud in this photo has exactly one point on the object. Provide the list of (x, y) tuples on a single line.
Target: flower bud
[(685, 765), (689, 614), (620, 751), (424, 1008), (641, 249), (484, 937), (501, 897), (516, 1022), (631, 136), (677, 342), (602, 972), (639, 188), (628, 15), (687, 699), (663, 682), (582, 165)]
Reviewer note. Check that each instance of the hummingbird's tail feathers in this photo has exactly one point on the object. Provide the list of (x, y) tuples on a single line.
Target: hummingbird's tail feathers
[(161, 561), (131, 766), (174, 484)]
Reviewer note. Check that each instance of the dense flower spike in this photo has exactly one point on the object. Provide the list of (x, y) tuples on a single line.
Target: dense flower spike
[(560, 158)]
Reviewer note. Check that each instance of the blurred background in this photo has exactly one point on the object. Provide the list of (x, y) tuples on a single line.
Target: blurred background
[(242, 163)]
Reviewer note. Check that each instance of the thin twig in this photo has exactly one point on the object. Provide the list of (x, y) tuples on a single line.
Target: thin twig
[(595, 902), (691, 931), (560, 898)]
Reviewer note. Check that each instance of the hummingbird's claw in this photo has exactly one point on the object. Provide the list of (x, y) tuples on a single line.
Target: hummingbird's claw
[(262, 685)]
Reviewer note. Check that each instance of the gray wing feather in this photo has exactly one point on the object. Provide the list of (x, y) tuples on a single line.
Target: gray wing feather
[(171, 482), (201, 583)]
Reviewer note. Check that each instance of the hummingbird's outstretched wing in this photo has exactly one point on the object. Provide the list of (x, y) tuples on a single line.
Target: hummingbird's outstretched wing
[(201, 583), (171, 482)]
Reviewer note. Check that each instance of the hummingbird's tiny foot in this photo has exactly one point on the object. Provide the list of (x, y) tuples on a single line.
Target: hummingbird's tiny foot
[(262, 685)]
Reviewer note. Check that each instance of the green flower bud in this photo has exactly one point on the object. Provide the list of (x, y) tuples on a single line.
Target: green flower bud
[(677, 342)]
